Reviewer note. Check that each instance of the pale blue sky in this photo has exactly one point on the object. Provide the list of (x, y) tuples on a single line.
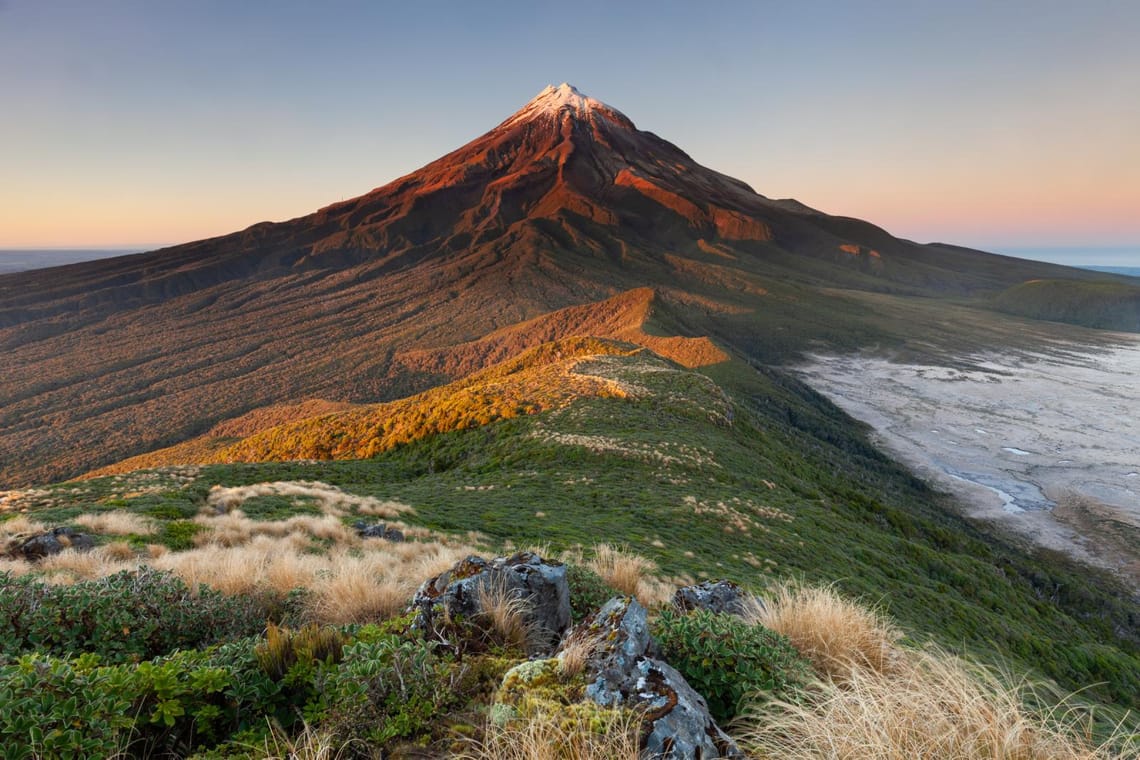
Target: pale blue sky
[(992, 124)]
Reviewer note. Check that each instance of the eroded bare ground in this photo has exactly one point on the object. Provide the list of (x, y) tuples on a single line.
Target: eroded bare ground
[(1042, 443)]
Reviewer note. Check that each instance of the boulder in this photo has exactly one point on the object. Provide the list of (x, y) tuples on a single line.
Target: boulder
[(379, 530), (455, 596), (714, 596), (623, 672), (51, 542)]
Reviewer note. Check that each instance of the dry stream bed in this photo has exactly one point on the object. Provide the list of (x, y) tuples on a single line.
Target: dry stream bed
[(1045, 444)]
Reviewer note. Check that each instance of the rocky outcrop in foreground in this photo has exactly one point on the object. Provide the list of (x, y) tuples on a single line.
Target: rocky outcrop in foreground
[(608, 661)]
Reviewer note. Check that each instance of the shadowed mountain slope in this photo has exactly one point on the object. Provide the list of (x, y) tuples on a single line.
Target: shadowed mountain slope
[(565, 203)]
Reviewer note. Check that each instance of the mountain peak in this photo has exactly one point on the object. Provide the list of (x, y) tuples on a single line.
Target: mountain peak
[(564, 94), (565, 98)]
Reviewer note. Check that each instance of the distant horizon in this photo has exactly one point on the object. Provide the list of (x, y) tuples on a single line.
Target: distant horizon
[(1127, 256)]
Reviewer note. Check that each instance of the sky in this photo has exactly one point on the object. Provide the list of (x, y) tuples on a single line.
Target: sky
[(1007, 125)]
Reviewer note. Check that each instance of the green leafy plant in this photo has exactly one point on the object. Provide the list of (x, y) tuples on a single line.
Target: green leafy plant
[(387, 689), (57, 708), (588, 591), (725, 659), (129, 616), (178, 535)]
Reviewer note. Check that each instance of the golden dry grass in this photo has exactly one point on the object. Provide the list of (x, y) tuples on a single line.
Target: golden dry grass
[(309, 744), (576, 652), (19, 526), (347, 585), (504, 613), (119, 550), (629, 573), (70, 565), (235, 529), (350, 579), (935, 707), (15, 567), (550, 735), (331, 500), (837, 636), (117, 523)]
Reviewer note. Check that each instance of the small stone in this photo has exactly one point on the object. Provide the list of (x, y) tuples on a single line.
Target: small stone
[(724, 597)]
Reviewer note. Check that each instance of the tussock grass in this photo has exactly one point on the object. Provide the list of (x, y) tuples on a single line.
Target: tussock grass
[(117, 523), (20, 526), (70, 565), (505, 614), (119, 550), (549, 735), (235, 528), (309, 744), (837, 636), (629, 573), (576, 652), (332, 500), (347, 585), (359, 589), (935, 707), (15, 567)]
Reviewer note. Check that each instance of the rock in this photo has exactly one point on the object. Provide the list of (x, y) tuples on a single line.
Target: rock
[(715, 596), (379, 530), (455, 595), (52, 542), (622, 671)]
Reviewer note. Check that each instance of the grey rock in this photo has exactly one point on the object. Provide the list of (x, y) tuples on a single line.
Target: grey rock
[(379, 530), (623, 671), (52, 542), (714, 596), (455, 595)]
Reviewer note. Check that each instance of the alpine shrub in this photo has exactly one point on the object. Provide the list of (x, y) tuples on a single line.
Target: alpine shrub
[(588, 591), (125, 617), (51, 707), (725, 659)]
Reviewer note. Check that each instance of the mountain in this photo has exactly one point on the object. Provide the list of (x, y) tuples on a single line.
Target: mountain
[(564, 204)]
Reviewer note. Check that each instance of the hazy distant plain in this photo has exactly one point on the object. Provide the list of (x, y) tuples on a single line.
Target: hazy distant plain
[(19, 260)]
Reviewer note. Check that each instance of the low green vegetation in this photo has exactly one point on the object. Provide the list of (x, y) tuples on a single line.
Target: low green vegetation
[(737, 471), (126, 617)]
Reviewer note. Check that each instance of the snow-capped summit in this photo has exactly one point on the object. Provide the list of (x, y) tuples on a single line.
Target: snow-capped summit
[(567, 98)]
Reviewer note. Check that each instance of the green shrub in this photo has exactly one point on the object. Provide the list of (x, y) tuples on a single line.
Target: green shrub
[(190, 700), (56, 708), (178, 535), (254, 697), (387, 689), (129, 616), (725, 659), (180, 702), (588, 591)]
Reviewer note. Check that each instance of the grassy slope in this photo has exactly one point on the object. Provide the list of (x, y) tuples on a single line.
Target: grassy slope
[(1103, 305), (733, 472)]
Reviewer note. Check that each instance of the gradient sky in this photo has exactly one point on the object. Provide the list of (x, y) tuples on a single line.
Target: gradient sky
[(995, 124)]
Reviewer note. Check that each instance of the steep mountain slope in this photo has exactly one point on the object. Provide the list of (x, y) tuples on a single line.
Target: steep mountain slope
[(565, 203)]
